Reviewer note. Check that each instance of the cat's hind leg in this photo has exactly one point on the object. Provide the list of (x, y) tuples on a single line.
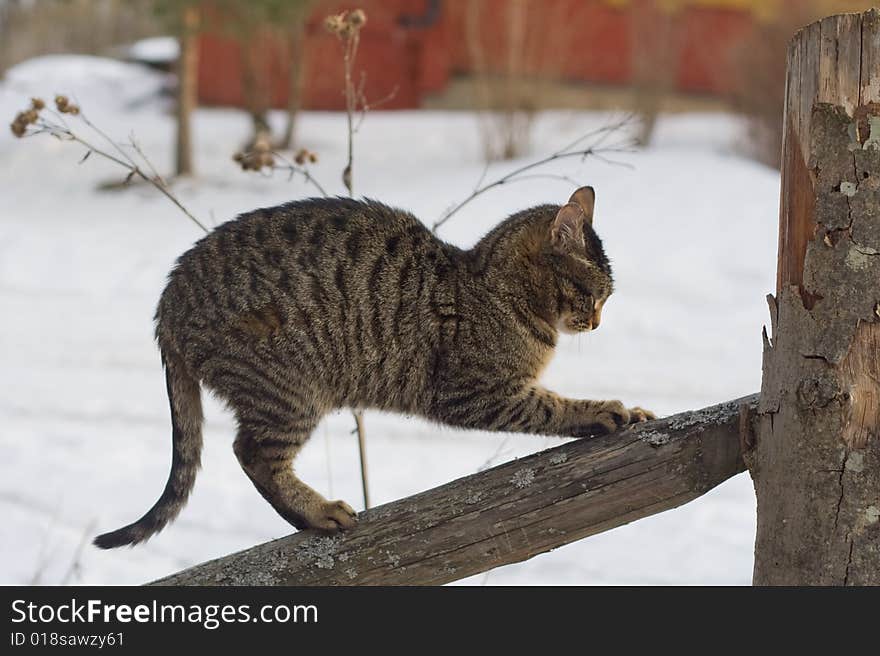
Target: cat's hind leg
[(266, 454), (275, 419)]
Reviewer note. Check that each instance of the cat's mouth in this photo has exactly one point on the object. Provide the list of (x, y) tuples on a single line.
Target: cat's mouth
[(572, 322), (572, 325)]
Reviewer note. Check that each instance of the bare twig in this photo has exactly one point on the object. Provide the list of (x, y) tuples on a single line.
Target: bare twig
[(39, 120), (597, 149), (494, 457), (367, 106), (546, 176), (293, 169), (75, 569)]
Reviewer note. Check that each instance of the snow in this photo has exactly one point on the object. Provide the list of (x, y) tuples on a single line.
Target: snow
[(84, 427), (103, 84), (155, 50)]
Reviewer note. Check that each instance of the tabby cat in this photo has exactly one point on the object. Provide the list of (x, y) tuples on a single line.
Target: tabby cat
[(290, 312)]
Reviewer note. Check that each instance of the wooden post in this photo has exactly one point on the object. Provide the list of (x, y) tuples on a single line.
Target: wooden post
[(187, 88), (509, 513), (816, 464)]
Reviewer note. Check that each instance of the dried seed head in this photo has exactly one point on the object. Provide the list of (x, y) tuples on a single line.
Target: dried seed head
[(37, 103), (357, 18), (22, 120), (255, 159), (304, 155), (18, 127), (335, 23), (65, 106)]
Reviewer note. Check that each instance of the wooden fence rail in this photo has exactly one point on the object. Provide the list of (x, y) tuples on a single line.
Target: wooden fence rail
[(509, 513)]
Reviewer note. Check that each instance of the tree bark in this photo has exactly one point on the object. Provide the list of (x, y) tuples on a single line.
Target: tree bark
[(816, 465), (187, 89), (509, 513)]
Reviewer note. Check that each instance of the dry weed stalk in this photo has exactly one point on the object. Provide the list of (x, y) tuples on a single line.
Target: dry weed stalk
[(347, 27), (39, 119)]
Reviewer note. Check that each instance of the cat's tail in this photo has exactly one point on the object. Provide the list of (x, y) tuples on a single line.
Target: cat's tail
[(186, 438)]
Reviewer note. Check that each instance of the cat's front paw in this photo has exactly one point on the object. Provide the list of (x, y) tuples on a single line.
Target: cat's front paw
[(638, 415), (607, 417), (332, 516)]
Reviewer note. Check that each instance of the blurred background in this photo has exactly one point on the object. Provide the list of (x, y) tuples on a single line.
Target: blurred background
[(514, 57), (459, 92)]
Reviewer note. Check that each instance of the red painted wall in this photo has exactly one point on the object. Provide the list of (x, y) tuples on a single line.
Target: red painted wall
[(581, 40), (706, 38)]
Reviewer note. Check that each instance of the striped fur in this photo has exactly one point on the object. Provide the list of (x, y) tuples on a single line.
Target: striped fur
[(289, 312)]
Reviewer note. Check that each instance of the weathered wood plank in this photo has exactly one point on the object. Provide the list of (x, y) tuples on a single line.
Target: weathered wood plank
[(506, 514)]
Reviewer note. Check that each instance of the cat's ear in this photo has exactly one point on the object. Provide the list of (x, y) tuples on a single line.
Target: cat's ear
[(567, 230), (585, 197)]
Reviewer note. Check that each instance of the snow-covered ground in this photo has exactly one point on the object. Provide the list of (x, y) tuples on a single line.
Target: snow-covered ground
[(84, 426)]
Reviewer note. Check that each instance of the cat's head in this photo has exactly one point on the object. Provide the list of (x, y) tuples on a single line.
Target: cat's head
[(579, 266)]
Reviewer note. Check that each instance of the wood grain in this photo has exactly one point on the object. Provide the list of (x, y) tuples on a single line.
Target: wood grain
[(816, 457)]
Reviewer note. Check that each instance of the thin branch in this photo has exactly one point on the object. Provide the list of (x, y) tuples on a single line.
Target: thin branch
[(293, 169), (157, 181), (625, 120), (517, 174), (137, 148), (366, 106), (103, 135), (60, 129), (74, 571), (547, 176), (482, 175)]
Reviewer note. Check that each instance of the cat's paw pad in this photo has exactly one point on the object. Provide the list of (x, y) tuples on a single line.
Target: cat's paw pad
[(638, 415), (333, 516), (613, 415), (609, 416)]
